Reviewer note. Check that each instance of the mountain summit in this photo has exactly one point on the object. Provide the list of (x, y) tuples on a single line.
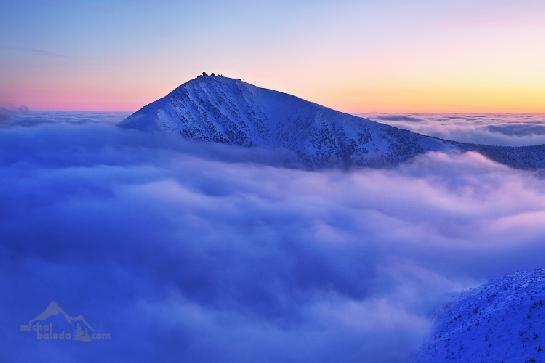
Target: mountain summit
[(229, 111)]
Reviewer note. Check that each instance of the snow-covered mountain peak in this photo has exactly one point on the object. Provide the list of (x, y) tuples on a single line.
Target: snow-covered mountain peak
[(218, 109), (212, 82), (229, 111)]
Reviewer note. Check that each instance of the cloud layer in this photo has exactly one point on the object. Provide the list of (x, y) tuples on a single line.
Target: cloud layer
[(500, 129), (199, 253)]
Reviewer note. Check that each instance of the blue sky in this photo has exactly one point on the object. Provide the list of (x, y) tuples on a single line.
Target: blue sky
[(359, 56)]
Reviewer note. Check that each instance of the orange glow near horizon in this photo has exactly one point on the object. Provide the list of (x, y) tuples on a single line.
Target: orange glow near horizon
[(483, 57), (354, 98), (365, 91)]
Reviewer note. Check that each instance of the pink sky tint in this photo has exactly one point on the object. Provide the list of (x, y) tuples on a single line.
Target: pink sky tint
[(360, 57)]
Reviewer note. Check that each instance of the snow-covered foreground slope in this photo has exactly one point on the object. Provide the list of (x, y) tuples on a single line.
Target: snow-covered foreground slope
[(503, 321), (225, 110), (229, 111)]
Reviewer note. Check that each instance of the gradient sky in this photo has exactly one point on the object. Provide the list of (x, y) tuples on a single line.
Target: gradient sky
[(356, 56)]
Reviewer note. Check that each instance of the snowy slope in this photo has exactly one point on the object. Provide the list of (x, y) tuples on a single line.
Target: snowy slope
[(224, 110), (503, 321)]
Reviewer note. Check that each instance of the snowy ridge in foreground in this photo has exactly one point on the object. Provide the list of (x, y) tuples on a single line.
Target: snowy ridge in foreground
[(229, 111), (503, 321)]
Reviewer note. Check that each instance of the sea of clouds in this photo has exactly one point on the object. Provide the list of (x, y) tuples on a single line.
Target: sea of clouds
[(188, 252), (491, 129)]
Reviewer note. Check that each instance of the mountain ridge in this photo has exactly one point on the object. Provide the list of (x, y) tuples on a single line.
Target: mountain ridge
[(225, 110)]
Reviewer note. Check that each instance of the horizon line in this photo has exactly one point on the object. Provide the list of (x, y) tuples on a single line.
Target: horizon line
[(356, 113)]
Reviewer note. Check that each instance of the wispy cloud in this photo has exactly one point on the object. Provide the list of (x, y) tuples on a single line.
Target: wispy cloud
[(32, 51)]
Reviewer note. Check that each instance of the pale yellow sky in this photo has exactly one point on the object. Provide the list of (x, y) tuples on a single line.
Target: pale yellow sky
[(355, 56)]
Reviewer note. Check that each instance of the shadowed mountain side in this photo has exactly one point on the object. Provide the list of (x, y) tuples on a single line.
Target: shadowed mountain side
[(520, 157)]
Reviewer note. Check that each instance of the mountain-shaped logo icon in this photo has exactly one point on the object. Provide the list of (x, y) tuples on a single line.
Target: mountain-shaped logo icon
[(55, 324)]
